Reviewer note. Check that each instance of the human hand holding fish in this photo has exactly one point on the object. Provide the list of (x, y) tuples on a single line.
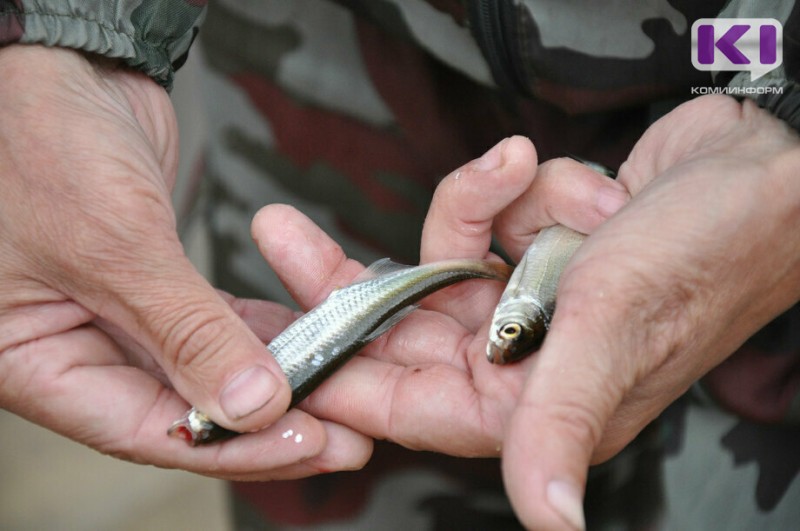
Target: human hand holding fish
[(347, 311), (658, 294), (704, 254), (426, 383), (105, 326), (344, 319)]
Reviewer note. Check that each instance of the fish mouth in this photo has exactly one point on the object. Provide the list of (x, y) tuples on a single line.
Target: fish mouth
[(195, 428), (497, 354)]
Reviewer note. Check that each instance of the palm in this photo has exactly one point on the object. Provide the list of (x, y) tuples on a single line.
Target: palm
[(426, 385)]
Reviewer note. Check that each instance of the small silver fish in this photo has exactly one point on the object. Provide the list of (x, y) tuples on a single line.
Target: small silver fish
[(523, 314), (319, 342)]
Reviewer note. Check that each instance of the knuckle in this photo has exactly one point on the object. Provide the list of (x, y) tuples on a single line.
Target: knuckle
[(551, 171), (469, 228), (464, 221), (193, 339)]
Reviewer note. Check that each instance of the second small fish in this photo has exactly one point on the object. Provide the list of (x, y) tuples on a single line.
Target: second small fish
[(523, 314), (319, 342)]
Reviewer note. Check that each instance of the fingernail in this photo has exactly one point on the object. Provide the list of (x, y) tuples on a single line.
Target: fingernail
[(566, 500), (492, 159), (610, 199), (248, 392)]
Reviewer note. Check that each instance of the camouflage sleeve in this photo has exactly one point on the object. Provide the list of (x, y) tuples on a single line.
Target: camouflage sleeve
[(149, 35), (778, 91)]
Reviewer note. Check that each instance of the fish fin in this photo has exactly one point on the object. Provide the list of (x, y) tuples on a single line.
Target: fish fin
[(390, 322), (381, 267), (501, 270)]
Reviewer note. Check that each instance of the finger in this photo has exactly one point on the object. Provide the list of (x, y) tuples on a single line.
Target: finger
[(308, 262), (345, 450), (28, 323), (295, 446), (559, 421), (459, 222), (564, 191), (72, 383), (207, 352)]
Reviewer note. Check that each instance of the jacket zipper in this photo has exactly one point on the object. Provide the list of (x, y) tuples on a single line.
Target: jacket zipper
[(492, 24)]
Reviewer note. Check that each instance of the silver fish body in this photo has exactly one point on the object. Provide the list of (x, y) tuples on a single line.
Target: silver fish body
[(522, 316), (319, 342)]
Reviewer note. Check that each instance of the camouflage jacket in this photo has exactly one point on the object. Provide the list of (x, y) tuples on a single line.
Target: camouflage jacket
[(538, 48), (150, 35)]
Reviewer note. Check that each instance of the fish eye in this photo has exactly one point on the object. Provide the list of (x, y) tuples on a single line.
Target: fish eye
[(510, 331)]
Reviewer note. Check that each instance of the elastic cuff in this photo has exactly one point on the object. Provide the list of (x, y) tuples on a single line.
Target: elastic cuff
[(152, 36)]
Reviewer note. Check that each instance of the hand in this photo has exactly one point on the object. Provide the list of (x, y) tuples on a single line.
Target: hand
[(704, 255), (426, 384), (105, 327)]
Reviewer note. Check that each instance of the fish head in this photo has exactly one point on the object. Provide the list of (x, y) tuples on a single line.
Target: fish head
[(514, 337), (196, 428)]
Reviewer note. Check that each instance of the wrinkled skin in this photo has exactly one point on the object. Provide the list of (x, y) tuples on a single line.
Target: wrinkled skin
[(108, 332), (106, 329)]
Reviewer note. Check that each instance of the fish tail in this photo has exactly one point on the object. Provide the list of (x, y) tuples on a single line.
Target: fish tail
[(500, 270), (489, 269)]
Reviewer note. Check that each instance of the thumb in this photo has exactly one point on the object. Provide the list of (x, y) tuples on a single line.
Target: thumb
[(554, 430), (211, 357)]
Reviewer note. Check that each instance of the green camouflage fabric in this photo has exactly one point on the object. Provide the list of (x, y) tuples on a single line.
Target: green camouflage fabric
[(150, 35)]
